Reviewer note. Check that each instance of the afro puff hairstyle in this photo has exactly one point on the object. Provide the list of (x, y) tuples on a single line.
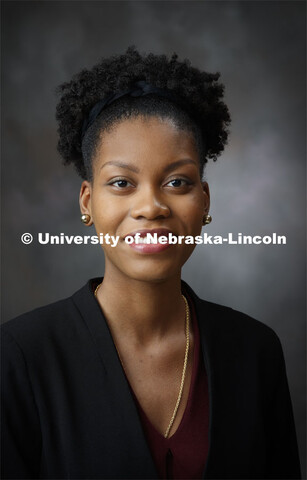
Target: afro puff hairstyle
[(200, 90)]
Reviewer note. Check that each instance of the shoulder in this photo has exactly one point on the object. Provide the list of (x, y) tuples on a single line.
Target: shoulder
[(233, 329), (59, 324), (240, 323), (43, 325), (244, 343)]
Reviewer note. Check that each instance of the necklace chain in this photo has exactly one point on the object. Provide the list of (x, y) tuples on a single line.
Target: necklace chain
[(186, 357), (96, 289)]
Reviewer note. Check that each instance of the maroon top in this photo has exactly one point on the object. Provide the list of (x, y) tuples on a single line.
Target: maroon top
[(184, 454)]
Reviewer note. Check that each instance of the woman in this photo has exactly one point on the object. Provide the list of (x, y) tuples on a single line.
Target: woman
[(134, 376)]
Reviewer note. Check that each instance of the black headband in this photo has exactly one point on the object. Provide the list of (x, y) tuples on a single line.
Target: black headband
[(138, 89)]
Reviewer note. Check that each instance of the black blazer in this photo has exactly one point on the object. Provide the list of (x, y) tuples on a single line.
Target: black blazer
[(67, 410)]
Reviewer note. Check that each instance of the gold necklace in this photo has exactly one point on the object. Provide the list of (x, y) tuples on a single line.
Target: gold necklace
[(96, 289), (186, 356)]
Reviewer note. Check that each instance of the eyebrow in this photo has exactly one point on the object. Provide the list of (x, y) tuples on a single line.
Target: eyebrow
[(121, 165), (168, 168)]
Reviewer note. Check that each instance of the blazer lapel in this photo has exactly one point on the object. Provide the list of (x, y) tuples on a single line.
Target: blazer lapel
[(233, 410), (137, 461), (207, 337)]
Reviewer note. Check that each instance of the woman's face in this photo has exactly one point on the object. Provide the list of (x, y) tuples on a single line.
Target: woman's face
[(146, 176)]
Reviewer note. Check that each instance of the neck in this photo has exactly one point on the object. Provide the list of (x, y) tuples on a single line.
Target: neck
[(143, 311)]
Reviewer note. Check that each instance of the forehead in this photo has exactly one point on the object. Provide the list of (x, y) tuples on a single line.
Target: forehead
[(146, 140)]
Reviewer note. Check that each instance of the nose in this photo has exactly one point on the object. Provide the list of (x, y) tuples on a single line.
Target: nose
[(149, 204)]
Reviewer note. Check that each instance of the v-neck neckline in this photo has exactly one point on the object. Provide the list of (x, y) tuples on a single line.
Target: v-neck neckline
[(183, 420), (96, 323)]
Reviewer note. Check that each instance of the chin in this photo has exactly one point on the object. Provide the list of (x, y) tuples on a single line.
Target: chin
[(150, 268), (151, 277), (153, 271)]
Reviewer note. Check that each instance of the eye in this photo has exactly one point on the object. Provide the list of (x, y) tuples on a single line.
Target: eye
[(121, 183), (178, 182)]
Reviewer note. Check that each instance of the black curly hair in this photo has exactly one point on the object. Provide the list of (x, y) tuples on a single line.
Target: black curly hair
[(207, 116)]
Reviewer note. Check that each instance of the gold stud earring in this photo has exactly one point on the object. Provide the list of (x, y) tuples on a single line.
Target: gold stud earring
[(85, 218), (207, 219)]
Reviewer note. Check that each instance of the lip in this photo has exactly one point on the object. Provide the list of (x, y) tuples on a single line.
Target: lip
[(151, 247), (143, 232)]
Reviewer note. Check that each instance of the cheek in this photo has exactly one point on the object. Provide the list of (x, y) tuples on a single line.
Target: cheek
[(190, 209), (107, 213)]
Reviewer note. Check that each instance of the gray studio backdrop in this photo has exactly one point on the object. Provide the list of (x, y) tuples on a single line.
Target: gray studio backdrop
[(257, 186)]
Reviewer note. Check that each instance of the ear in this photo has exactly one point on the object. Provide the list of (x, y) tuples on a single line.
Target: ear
[(206, 193), (85, 198)]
